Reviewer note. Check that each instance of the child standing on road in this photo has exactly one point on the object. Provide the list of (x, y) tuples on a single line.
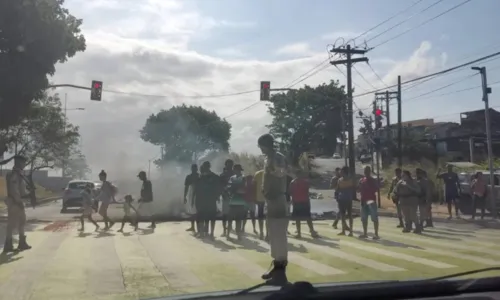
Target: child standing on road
[(127, 217), (87, 207)]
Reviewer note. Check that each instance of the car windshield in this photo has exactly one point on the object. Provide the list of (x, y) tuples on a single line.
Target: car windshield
[(78, 185), (235, 142)]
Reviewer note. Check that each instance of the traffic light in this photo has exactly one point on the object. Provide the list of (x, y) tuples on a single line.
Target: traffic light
[(265, 90), (378, 112), (96, 90), (378, 121)]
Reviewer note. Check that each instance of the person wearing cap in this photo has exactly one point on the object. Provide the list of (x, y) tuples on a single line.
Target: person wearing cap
[(189, 187), (274, 188), (224, 183), (16, 215), (237, 205), (206, 195), (146, 201)]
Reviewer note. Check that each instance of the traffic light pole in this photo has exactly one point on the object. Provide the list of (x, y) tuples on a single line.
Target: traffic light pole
[(400, 126), (486, 91), (53, 86), (348, 62)]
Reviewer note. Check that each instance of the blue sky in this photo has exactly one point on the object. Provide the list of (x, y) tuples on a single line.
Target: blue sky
[(180, 48)]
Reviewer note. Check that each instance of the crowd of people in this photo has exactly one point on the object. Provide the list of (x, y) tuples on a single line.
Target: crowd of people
[(265, 198)]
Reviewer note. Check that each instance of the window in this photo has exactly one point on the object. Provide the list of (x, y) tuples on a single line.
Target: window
[(79, 185)]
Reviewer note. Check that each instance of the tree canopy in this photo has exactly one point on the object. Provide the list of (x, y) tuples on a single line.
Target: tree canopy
[(34, 36), (186, 130), (44, 135), (308, 119)]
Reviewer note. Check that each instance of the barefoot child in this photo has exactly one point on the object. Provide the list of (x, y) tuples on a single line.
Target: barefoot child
[(87, 207), (127, 206)]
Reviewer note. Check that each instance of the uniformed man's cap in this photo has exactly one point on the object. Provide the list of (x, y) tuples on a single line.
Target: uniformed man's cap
[(20, 158), (141, 174)]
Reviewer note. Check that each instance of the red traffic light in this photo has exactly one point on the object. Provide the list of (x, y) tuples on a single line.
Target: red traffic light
[(378, 112), (265, 85), (97, 85)]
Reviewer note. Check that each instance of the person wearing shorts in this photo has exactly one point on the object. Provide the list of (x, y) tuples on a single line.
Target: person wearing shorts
[(452, 189), (237, 206), (299, 192), (345, 196), (368, 188), (87, 207), (261, 202), (225, 195), (251, 204)]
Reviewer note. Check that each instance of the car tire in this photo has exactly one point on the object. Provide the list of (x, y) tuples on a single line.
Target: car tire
[(64, 209)]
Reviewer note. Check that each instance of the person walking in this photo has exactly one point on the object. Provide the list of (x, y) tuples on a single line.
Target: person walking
[(452, 189), (274, 190), (106, 196), (206, 196), (333, 185), (127, 214), (189, 186), (479, 191), (237, 205), (87, 201), (407, 191), (391, 195), (225, 194), (146, 201), (368, 187), (250, 198), (299, 192), (261, 202), (16, 214), (346, 188)]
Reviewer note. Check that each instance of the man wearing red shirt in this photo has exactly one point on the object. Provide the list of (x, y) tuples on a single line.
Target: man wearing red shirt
[(299, 192), (368, 189)]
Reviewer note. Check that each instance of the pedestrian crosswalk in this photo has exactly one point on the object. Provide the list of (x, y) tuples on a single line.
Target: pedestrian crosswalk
[(67, 264)]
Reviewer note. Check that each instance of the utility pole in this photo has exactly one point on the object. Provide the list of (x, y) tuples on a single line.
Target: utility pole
[(348, 52), (400, 126), (486, 91), (63, 167)]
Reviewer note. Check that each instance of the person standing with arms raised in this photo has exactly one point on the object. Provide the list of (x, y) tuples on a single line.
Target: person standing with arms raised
[(274, 190)]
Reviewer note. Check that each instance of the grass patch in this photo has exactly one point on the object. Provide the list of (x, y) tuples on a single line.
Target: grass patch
[(41, 192)]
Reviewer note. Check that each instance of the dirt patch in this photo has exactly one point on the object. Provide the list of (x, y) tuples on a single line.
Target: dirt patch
[(58, 226)]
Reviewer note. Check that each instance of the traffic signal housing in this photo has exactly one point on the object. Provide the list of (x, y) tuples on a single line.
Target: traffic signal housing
[(96, 90), (265, 90), (378, 118)]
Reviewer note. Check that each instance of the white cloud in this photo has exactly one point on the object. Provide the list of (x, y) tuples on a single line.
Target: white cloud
[(141, 57), (296, 49), (231, 52)]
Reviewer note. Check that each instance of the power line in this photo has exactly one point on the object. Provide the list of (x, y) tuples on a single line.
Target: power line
[(405, 20), (182, 96), (300, 79), (376, 74), (387, 20), (421, 24), (363, 77), (432, 75)]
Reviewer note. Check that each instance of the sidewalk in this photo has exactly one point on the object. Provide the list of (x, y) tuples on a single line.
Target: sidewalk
[(3, 208)]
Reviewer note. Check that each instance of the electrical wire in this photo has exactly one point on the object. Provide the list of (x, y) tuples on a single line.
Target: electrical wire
[(432, 75), (405, 20), (376, 74), (386, 20), (304, 76), (363, 77), (182, 96), (421, 24)]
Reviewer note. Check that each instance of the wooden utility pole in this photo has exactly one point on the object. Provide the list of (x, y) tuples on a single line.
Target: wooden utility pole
[(348, 62), (400, 126)]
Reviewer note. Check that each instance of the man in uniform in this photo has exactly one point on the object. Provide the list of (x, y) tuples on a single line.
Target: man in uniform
[(407, 190), (274, 190), (394, 197), (16, 215), (425, 197)]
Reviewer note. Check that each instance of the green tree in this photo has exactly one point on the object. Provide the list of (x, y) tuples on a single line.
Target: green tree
[(76, 166), (44, 135), (186, 130), (308, 119), (34, 36)]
